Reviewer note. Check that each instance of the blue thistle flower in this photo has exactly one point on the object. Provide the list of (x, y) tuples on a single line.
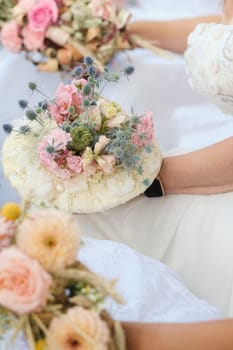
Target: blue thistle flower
[(92, 71), (86, 103), (78, 72), (50, 149), (129, 70), (7, 128), (31, 115), (88, 60), (32, 86), (23, 104), (24, 129), (43, 105), (86, 90)]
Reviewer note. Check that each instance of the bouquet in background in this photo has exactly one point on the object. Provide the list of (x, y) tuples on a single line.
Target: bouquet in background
[(6, 13), (46, 294), (56, 35), (80, 151)]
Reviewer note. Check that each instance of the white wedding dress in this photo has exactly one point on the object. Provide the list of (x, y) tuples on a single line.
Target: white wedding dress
[(151, 291)]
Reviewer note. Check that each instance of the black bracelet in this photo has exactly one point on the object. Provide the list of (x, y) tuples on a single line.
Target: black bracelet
[(155, 189)]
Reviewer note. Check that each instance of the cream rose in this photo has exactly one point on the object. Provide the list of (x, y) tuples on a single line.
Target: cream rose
[(24, 285)]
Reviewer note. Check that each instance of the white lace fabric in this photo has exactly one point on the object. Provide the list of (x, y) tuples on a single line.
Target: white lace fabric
[(209, 59), (152, 292)]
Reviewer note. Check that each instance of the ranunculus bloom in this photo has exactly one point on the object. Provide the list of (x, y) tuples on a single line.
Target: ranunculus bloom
[(33, 40), (10, 36), (62, 331), (51, 237), (24, 285), (7, 228), (42, 15)]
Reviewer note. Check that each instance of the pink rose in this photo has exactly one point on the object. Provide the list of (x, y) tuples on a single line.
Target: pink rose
[(66, 96), (24, 285), (33, 40), (42, 14), (7, 228), (55, 113), (105, 9), (10, 36)]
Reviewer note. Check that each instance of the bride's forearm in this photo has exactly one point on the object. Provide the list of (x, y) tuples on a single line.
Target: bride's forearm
[(215, 335), (206, 171), (171, 35)]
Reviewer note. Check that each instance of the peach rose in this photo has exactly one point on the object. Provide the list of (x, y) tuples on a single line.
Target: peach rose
[(10, 36), (42, 14), (32, 40), (24, 285), (62, 331)]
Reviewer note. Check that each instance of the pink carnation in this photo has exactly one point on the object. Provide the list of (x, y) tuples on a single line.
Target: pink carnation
[(42, 15), (144, 131), (56, 161), (7, 228), (10, 36), (105, 9), (33, 40), (74, 163), (24, 284)]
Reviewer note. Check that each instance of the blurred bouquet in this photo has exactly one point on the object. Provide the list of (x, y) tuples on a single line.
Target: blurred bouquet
[(45, 293), (6, 13), (57, 34), (81, 151)]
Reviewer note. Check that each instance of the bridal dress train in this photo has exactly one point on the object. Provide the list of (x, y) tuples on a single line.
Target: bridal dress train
[(151, 291)]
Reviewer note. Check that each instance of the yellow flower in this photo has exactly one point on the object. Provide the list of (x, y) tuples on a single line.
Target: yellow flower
[(41, 345), (11, 211), (51, 237)]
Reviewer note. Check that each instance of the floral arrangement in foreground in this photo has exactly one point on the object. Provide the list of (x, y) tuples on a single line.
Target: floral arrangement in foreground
[(45, 292), (57, 34), (81, 151)]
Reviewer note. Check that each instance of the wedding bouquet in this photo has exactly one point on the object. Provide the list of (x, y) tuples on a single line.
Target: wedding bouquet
[(46, 295), (57, 34), (80, 151)]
